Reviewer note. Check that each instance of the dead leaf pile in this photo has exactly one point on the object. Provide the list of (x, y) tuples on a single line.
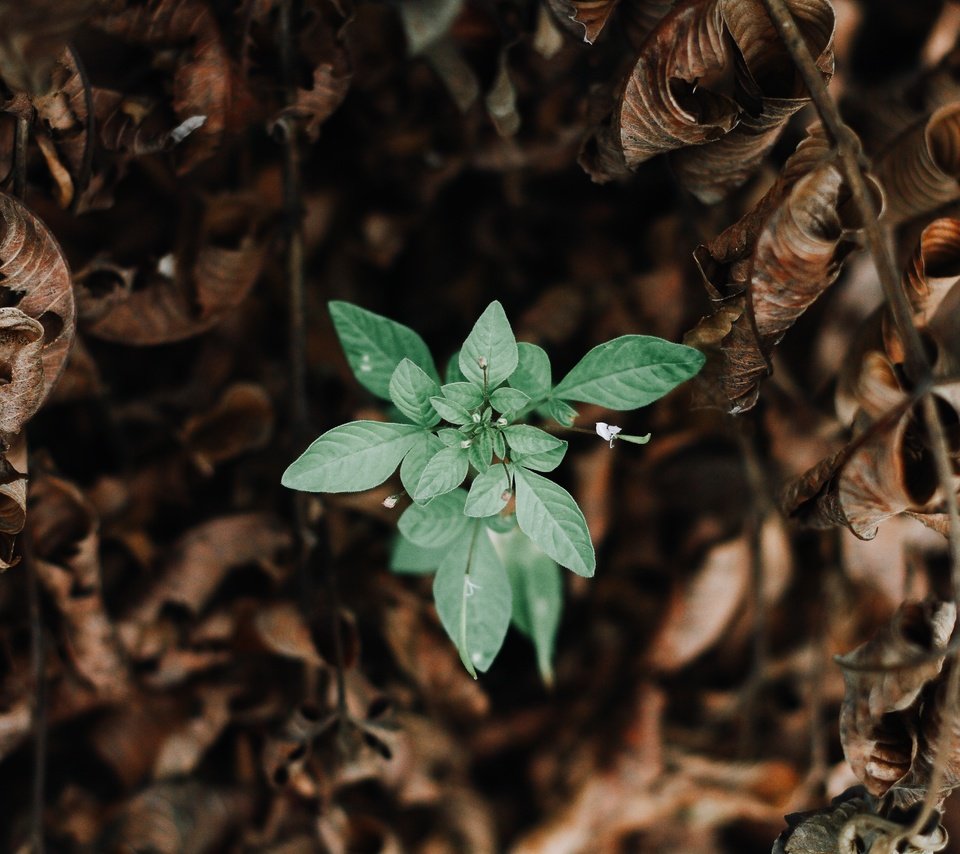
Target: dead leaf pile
[(201, 661)]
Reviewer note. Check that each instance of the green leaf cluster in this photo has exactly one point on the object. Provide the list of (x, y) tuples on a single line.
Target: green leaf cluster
[(483, 516)]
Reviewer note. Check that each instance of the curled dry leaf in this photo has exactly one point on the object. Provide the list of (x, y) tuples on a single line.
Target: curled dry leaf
[(240, 421), (784, 255), (887, 466), (283, 630), (205, 82), (314, 106), (187, 817), (66, 541), (13, 499), (769, 91), (880, 713), (584, 18), (190, 291), (201, 559), (37, 324), (920, 171), (670, 102)]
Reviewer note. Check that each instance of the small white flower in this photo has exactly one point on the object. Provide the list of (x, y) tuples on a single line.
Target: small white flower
[(476, 417), (607, 431), (482, 362), (501, 422), (466, 443), (391, 501)]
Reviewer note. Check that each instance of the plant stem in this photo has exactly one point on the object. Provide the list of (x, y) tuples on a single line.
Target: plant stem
[(39, 711), (20, 139), (293, 220)]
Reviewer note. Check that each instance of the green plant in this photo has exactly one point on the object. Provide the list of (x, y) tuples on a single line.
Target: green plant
[(496, 562)]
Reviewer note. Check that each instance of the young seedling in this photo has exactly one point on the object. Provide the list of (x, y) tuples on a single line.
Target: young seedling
[(484, 517)]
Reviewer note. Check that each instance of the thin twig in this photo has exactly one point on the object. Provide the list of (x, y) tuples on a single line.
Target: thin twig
[(917, 365), (39, 710), (293, 216), (20, 139)]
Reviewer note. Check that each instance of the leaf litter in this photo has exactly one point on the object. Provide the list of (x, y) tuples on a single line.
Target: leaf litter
[(225, 669)]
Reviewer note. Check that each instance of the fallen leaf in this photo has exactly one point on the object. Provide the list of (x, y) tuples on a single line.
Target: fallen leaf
[(667, 106), (919, 172), (879, 712)]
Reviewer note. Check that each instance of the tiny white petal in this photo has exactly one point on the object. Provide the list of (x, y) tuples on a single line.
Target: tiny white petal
[(607, 431)]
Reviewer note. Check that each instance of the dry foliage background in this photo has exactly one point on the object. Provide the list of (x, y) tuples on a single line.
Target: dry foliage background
[(219, 665)]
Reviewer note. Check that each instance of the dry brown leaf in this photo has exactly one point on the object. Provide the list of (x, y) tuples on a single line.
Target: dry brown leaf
[(282, 629), (184, 746), (769, 90), (34, 35), (13, 499), (184, 294), (202, 557), (414, 640), (701, 611), (205, 81), (879, 716), (887, 467), (66, 541), (920, 170), (314, 106), (584, 18), (668, 102), (37, 324), (240, 421), (785, 253), (187, 817)]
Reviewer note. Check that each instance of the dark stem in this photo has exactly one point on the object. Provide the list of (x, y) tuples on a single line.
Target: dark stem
[(293, 220), (20, 139), (39, 711)]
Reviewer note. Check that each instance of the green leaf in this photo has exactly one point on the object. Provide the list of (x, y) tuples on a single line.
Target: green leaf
[(490, 342), (445, 471), (452, 412), (409, 559), (437, 523), (352, 457), (506, 399), (411, 389), (560, 412), (466, 394), (532, 375), (550, 517), (629, 372), (473, 599), (537, 594), (487, 491), (499, 444), (544, 461), (375, 345), (424, 447), (480, 452), (525, 439), (449, 437)]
